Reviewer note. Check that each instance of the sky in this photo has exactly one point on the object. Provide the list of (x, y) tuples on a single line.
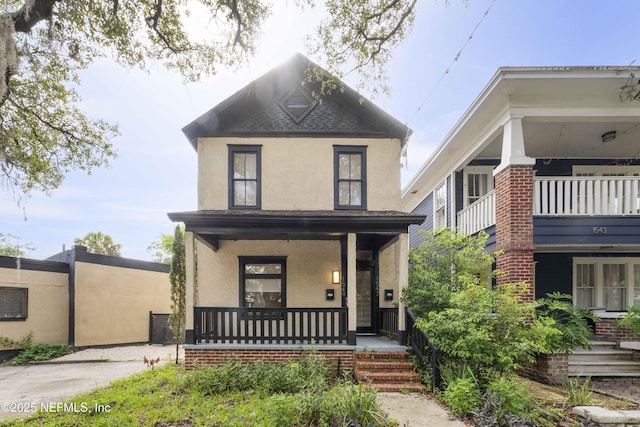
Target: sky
[(155, 171)]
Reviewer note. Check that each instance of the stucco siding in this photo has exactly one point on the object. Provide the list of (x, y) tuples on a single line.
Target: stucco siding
[(112, 304), (389, 260), (47, 305), (308, 263), (297, 173)]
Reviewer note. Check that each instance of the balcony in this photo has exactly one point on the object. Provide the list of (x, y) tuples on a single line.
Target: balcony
[(478, 215), (563, 197), (587, 196)]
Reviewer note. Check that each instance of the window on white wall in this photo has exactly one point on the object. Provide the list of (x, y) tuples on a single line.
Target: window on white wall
[(611, 283), (440, 207)]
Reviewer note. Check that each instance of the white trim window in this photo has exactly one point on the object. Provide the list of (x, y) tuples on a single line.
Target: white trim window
[(477, 182), (610, 283), (440, 207)]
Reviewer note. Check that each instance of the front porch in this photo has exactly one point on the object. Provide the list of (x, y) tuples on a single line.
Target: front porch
[(340, 355), (287, 326)]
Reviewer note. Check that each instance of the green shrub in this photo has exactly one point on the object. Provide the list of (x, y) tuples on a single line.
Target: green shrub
[(490, 330), (461, 396), (516, 398), (570, 320), (40, 352), (631, 320), (309, 373)]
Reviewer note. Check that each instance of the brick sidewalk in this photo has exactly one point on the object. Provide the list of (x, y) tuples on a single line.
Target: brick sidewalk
[(628, 388)]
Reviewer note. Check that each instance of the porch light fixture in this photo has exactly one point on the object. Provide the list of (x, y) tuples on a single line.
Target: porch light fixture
[(335, 277), (608, 136)]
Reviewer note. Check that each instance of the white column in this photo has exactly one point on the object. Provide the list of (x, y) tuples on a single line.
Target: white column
[(513, 152), (189, 267), (403, 282), (352, 300)]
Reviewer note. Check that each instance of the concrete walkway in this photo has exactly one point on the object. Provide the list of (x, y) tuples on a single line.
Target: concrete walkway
[(416, 410), (25, 388)]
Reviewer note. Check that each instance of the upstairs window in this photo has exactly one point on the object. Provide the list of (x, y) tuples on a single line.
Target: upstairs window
[(13, 303), (440, 207), (244, 177), (478, 182), (350, 172)]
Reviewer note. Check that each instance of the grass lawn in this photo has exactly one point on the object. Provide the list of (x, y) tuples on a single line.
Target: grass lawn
[(298, 393)]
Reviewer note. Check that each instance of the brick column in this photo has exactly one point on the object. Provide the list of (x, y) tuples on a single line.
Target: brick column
[(514, 225)]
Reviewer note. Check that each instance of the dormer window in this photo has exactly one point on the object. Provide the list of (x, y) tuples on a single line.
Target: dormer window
[(350, 174), (244, 177)]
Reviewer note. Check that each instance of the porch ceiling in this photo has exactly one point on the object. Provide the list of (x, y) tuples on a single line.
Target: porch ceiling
[(574, 138)]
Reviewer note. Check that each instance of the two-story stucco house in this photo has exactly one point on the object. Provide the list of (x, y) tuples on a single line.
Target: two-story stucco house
[(299, 229), (546, 160)]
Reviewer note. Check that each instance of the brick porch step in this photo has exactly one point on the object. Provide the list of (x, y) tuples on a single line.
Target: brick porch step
[(387, 372)]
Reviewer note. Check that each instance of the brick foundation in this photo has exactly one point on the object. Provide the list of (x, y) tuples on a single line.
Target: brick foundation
[(199, 357), (607, 330), (548, 369)]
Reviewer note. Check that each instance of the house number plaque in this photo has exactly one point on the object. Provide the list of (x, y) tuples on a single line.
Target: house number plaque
[(599, 230)]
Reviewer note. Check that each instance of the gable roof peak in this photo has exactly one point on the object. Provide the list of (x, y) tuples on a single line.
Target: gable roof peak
[(287, 101)]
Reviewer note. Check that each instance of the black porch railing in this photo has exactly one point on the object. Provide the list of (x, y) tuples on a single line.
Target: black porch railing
[(425, 351), (270, 325), (388, 323)]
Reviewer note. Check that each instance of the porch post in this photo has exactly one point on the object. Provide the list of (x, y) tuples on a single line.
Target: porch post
[(189, 267), (514, 209), (352, 300), (403, 282)]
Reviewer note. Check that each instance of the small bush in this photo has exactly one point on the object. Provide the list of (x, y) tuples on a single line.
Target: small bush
[(578, 393), (516, 398), (40, 352), (461, 396), (631, 320)]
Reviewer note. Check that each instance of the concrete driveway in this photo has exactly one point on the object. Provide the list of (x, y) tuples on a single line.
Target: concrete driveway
[(23, 389)]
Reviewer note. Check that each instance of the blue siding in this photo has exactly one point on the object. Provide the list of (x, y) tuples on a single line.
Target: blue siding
[(592, 230), (424, 208), (448, 206), (490, 244), (459, 191), (553, 273)]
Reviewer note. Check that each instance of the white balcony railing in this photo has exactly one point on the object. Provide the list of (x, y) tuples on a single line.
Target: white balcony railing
[(584, 196), (478, 215)]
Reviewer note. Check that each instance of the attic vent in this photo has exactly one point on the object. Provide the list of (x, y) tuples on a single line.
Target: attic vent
[(297, 103)]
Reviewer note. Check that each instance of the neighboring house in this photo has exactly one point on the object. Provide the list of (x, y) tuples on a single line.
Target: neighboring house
[(81, 299), (547, 162), (301, 236)]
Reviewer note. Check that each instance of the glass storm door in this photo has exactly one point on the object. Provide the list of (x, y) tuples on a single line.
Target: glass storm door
[(364, 309)]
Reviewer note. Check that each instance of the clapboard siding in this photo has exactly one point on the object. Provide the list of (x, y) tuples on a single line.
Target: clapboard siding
[(424, 208), (592, 230)]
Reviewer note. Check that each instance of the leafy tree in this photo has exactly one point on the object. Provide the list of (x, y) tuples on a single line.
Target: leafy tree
[(178, 280), (445, 262), (10, 246), (45, 43), (99, 243), (162, 249)]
